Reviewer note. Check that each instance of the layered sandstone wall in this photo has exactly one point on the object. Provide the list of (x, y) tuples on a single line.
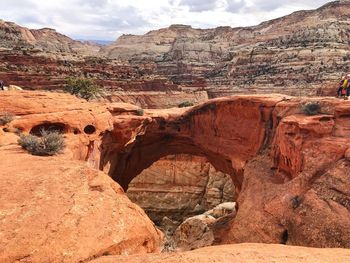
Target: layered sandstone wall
[(44, 40), (300, 54), (180, 186), (304, 53)]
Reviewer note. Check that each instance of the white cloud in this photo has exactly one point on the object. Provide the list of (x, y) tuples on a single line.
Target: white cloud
[(108, 19)]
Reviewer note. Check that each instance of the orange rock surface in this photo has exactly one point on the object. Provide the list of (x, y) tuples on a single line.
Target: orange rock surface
[(241, 253), (285, 165), (57, 209), (82, 123), (290, 170)]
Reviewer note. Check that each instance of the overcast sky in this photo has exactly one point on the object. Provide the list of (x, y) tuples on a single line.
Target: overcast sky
[(108, 19)]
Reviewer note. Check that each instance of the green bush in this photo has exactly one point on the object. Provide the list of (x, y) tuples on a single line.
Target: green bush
[(139, 112), (50, 143), (311, 108), (6, 117), (185, 104), (82, 87)]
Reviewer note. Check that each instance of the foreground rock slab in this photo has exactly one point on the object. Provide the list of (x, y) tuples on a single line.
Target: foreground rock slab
[(55, 209), (257, 253)]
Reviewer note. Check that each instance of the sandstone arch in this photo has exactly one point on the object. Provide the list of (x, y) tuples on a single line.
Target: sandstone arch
[(227, 131)]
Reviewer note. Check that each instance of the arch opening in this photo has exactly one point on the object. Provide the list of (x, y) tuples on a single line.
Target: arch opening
[(90, 129), (48, 127), (190, 179), (146, 151), (179, 187)]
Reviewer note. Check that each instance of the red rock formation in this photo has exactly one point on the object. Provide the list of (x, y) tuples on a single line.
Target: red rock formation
[(279, 195), (57, 209), (201, 129), (291, 170), (257, 253), (82, 123)]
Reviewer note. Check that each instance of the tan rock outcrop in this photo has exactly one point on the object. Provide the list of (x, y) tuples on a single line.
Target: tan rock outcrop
[(203, 230), (180, 186), (41, 40), (300, 54)]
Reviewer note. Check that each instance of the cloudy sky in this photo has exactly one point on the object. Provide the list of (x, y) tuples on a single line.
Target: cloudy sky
[(108, 19)]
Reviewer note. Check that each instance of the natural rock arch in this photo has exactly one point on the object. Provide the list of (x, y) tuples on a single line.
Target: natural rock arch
[(227, 131)]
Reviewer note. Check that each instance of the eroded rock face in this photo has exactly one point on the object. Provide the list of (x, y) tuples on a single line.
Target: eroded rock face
[(82, 123), (304, 53), (42, 40), (281, 161), (180, 186)]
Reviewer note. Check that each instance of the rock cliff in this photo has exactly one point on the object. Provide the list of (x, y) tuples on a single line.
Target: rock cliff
[(303, 53), (45, 40), (281, 161)]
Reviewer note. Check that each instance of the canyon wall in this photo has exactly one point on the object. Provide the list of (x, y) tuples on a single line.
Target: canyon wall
[(299, 54), (304, 53), (45, 40), (180, 186)]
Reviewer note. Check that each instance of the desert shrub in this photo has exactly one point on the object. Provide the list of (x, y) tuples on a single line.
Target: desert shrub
[(185, 104), (139, 112), (6, 117), (311, 108), (82, 87), (50, 143)]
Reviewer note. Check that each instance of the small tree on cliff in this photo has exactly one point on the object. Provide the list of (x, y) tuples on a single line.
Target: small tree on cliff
[(311, 108), (82, 87)]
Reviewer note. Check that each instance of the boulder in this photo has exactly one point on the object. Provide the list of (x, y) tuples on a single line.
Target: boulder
[(54, 209), (194, 233), (223, 209)]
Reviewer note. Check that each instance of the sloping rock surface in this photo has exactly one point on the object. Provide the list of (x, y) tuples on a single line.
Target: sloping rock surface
[(242, 253)]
